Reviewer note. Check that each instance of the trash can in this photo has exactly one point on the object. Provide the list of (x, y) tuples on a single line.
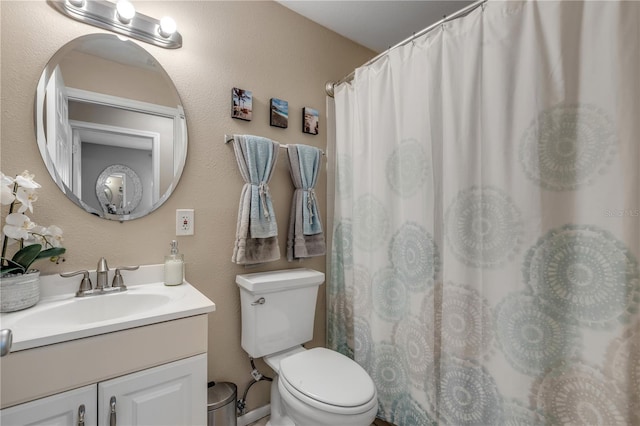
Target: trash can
[(221, 404)]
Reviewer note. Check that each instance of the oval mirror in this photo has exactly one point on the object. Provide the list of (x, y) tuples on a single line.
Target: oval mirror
[(106, 104)]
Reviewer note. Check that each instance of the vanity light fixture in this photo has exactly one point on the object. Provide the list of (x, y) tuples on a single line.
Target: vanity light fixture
[(121, 18)]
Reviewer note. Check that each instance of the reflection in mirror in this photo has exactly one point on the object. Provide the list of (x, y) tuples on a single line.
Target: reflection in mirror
[(118, 191), (102, 102)]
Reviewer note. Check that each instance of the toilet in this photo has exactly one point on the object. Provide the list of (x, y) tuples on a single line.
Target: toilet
[(312, 386)]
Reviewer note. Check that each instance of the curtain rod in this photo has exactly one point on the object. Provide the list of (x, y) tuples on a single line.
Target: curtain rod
[(330, 85)]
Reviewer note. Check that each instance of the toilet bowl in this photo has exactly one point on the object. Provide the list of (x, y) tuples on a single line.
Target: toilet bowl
[(312, 387), (321, 387)]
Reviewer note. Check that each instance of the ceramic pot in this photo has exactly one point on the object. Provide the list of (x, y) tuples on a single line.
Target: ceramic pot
[(19, 291)]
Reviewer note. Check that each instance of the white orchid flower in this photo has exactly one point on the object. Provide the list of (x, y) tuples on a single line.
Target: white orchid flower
[(20, 193), (26, 197), (6, 184), (54, 236), (7, 195), (25, 180), (18, 226), (6, 180)]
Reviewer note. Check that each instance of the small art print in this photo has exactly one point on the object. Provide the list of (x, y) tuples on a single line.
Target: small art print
[(241, 104), (310, 119), (279, 113)]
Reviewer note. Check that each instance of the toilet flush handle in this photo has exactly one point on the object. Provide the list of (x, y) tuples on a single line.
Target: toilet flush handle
[(260, 301)]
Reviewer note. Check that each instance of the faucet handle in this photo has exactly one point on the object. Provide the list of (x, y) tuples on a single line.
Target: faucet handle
[(85, 284), (117, 278)]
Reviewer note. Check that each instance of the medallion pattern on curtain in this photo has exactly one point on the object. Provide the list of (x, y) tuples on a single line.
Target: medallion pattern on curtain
[(484, 259)]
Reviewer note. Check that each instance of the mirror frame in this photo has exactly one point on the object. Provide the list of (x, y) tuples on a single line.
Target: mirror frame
[(40, 120)]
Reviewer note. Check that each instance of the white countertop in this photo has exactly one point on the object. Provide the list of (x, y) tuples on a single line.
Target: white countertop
[(60, 316)]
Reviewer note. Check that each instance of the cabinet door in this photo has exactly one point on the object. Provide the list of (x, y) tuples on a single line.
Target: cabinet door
[(63, 409), (171, 394)]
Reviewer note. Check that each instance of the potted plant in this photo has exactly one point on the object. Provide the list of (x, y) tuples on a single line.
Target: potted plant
[(19, 284)]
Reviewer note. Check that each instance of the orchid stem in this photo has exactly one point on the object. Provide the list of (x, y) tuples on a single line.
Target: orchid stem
[(5, 240)]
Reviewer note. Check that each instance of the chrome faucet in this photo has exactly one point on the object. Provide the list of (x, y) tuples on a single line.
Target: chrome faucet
[(102, 274), (102, 282)]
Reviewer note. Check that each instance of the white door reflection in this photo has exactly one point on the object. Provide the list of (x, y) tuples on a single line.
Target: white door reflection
[(97, 146)]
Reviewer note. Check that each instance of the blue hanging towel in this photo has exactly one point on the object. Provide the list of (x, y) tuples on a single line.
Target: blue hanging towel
[(305, 237), (257, 229), (261, 156), (309, 160)]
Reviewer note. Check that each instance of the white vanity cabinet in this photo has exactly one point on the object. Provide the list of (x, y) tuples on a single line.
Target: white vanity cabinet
[(146, 346), (170, 394)]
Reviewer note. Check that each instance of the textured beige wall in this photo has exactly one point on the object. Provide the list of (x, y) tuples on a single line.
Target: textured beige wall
[(259, 46)]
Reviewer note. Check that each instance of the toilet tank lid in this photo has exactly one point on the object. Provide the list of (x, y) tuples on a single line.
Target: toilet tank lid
[(267, 282)]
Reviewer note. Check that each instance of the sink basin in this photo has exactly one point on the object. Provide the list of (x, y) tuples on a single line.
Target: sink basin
[(94, 309), (62, 317)]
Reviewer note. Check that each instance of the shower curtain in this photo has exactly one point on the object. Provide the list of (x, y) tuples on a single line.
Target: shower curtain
[(486, 236)]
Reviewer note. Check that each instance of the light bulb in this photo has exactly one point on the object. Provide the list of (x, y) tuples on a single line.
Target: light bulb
[(125, 11), (167, 27)]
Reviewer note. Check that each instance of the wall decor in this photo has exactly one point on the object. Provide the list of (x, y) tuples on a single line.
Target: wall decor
[(310, 119), (241, 104), (279, 113)]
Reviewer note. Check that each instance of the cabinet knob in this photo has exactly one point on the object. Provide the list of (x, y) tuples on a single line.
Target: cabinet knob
[(81, 411), (112, 414), (6, 339)]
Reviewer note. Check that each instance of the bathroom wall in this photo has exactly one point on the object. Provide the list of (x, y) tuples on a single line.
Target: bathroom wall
[(259, 46)]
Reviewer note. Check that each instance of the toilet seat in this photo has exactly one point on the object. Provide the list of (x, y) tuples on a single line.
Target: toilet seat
[(328, 381)]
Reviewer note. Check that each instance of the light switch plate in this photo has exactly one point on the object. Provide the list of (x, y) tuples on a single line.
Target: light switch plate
[(185, 222)]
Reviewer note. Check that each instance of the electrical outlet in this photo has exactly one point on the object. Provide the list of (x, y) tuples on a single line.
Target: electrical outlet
[(184, 222)]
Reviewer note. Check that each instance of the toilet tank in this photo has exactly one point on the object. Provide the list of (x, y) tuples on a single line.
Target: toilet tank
[(278, 309)]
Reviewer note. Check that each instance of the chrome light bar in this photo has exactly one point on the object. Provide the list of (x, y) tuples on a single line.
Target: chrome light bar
[(104, 14)]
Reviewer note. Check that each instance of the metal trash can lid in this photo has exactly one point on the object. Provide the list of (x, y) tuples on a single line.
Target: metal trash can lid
[(220, 394)]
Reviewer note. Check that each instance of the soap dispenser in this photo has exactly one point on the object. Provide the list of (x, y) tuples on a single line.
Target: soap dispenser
[(174, 266)]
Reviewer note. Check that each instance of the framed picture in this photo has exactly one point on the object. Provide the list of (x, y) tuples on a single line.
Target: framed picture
[(279, 113), (241, 104), (310, 119)]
